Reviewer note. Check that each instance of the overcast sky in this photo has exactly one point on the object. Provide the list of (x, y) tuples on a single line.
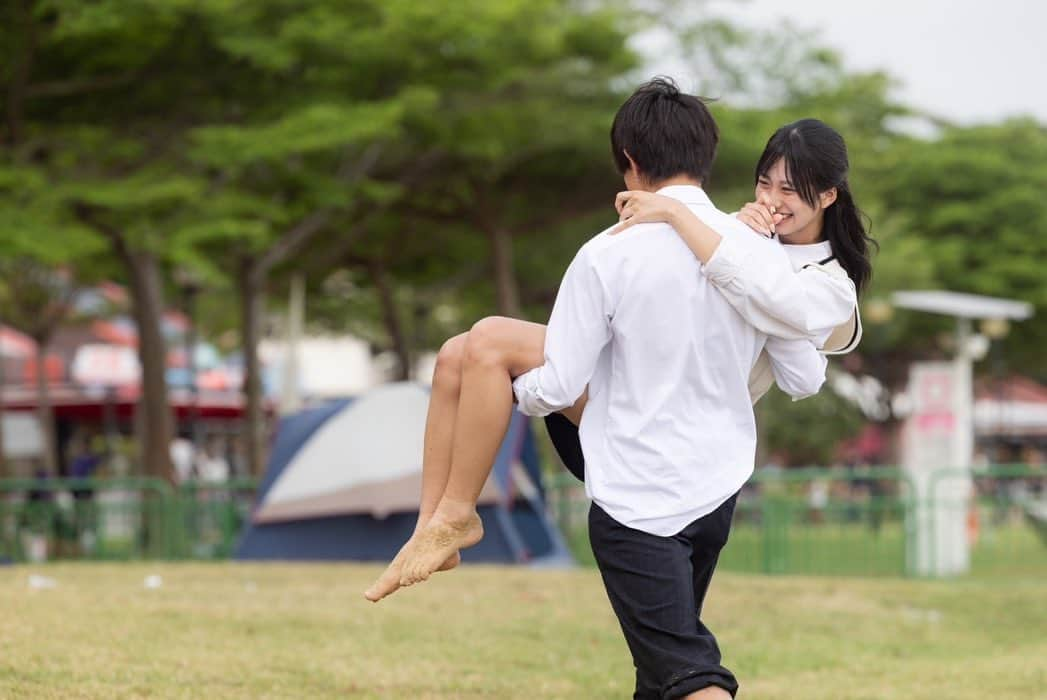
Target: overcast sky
[(965, 60)]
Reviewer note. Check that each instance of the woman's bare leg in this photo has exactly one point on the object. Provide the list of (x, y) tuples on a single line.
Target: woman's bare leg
[(436, 456), (440, 425), (505, 341), (496, 350)]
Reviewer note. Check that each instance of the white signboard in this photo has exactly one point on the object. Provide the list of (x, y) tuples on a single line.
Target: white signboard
[(935, 438), (106, 365), (23, 438)]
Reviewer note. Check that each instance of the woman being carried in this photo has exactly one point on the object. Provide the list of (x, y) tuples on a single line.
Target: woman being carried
[(803, 197)]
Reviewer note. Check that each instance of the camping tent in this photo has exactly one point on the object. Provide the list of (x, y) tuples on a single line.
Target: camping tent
[(343, 483)]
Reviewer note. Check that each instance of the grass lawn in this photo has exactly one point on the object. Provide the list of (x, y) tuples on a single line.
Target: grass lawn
[(303, 631)]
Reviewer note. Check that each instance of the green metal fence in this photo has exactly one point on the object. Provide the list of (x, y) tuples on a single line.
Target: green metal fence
[(116, 519), (1006, 518), (212, 516), (859, 522), (818, 521)]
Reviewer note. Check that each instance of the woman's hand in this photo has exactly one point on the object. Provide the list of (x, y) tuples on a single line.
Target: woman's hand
[(638, 207), (759, 217)]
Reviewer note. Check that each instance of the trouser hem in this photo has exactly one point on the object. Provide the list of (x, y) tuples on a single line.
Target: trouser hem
[(692, 681)]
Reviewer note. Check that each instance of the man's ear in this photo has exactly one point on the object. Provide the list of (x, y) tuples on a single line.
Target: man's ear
[(632, 164), (828, 197)]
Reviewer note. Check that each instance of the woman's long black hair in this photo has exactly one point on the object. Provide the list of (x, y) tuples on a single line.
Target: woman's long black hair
[(815, 161)]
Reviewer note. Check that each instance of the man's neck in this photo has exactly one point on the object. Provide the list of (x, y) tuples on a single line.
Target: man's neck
[(675, 180)]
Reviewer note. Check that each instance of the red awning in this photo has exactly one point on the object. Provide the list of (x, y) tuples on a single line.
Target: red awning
[(83, 404)]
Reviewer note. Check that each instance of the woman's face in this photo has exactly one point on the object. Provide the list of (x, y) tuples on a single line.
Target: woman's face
[(802, 223)]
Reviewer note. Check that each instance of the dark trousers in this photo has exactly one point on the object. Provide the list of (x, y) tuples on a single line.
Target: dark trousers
[(564, 436), (657, 586)]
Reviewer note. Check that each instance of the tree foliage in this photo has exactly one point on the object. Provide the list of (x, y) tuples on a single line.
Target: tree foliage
[(971, 201), (426, 164), (227, 136), (806, 432)]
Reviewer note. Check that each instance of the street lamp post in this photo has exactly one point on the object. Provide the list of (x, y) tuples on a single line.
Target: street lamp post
[(939, 433), (996, 329)]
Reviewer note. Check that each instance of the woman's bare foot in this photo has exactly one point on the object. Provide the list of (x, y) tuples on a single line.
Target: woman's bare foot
[(441, 538), (389, 581)]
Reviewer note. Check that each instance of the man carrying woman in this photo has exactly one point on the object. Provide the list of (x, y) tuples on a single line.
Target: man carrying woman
[(665, 345)]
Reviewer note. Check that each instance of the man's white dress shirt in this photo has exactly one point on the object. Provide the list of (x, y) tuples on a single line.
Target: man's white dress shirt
[(668, 431)]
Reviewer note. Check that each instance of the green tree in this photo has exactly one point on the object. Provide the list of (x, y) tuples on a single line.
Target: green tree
[(97, 97), (229, 135), (43, 260), (806, 432), (417, 117), (37, 293), (972, 198)]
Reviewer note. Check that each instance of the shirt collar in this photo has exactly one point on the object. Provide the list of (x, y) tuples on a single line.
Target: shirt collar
[(801, 255), (688, 194)]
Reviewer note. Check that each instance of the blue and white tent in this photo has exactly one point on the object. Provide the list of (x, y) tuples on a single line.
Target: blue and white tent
[(344, 480)]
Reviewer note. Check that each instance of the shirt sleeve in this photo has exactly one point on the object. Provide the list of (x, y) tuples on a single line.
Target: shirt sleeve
[(579, 328), (798, 367), (778, 301)]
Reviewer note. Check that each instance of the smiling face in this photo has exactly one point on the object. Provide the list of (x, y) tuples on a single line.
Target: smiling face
[(802, 223)]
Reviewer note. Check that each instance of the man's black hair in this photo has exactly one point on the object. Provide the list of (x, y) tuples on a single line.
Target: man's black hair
[(666, 133)]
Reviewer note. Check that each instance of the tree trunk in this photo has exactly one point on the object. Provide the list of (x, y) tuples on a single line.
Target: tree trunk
[(391, 316), (20, 71), (506, 291), (252, 301), (251, 279), (44, 413), (147, 308)]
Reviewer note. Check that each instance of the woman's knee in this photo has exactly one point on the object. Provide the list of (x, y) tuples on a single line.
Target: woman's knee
[(449, 360), (486, 343)]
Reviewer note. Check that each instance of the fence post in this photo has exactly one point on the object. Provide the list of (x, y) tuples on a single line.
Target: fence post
[(775, 517)]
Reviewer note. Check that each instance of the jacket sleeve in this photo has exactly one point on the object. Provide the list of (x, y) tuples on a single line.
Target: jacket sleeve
[(776, 300), (798, 367)]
